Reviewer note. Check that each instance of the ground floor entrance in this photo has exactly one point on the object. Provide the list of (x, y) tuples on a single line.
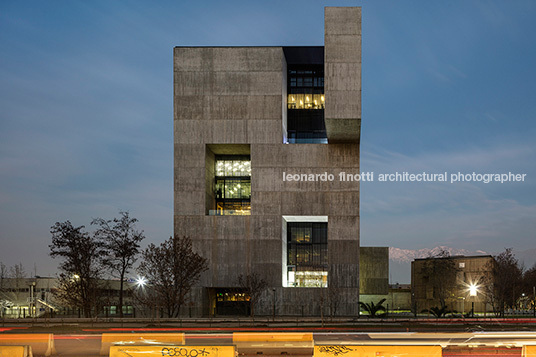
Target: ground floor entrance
[(229, 301)]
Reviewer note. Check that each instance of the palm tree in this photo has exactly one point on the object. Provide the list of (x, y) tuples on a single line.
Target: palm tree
[(372, 308), (439, 311)]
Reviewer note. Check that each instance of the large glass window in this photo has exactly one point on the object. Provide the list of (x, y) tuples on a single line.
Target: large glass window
[(305, 87), (307, 254), (232, 185), (305, 104), (229, 166), (305, 101)]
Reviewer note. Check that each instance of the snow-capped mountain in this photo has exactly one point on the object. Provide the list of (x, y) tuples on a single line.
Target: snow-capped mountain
[(407, 255)]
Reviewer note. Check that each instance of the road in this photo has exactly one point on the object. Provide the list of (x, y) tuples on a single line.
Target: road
[(453, 344)]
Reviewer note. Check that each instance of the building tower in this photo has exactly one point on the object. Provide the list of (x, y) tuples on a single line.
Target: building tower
[(248, 122)]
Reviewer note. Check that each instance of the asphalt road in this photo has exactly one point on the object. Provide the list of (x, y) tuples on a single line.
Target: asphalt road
[(454, 344)]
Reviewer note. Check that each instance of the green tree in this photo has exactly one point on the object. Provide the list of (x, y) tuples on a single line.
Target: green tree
[(373, 309), (439, 311)]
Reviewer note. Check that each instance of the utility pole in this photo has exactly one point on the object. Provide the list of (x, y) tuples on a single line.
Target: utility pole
[(273, 317)]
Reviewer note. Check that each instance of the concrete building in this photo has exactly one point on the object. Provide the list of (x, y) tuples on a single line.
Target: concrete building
[(374, 271), (34, 297), (26, 297), (466, 291), (266, 153)]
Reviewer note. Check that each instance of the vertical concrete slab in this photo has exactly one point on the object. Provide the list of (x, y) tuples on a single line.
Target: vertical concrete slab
[(342, 68)]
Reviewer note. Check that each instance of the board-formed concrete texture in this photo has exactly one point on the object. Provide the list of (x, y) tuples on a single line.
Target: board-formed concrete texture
[(374, 270), (233, 100), (342, 63)]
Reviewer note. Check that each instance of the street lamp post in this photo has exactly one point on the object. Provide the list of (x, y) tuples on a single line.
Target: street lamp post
[(473, 290), (273, 300)]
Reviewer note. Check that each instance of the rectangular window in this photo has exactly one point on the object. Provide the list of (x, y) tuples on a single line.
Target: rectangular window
[(305, 104), (306, 254), (232, 185)]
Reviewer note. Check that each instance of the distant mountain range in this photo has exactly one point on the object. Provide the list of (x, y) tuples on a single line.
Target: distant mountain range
[(407, 255), (400, 259)]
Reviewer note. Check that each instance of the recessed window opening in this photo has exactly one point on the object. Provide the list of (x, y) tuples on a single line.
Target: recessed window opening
[(232, 185)]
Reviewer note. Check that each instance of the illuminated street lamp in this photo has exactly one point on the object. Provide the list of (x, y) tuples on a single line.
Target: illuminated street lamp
[(141, 282), (473, 289)]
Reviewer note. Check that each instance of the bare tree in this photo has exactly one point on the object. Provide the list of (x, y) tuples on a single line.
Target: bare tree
[(440, 271), (121, 241), (78, 283), (529, 286), (503, 281), (18, 276), (172, 269), (13, 286), (334, 294), (4, 302), (253, 286), (3, 277)]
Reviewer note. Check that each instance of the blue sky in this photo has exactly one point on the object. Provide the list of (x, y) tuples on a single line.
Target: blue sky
[(86, 113)]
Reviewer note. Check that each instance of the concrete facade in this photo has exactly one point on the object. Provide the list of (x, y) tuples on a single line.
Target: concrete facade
[(398, 300), (374, 270), (470, 271), (233, 101), (33, 297)]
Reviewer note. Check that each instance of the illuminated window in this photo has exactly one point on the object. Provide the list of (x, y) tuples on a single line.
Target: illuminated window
[(232, 185), (305, 104), (307, 254)]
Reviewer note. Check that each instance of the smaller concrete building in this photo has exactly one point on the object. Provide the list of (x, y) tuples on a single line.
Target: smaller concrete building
[(374, 271), (34, 297), (462, 295), (26, 297), (374, 280)]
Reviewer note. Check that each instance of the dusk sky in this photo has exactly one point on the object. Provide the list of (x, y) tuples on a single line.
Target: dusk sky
[(86, 113)]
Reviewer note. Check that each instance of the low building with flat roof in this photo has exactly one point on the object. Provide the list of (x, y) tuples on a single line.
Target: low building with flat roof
[(462, 295)]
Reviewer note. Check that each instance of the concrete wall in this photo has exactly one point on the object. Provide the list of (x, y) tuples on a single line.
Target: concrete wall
[(342, 59), (374, 270), (396, 299), (237, 95)]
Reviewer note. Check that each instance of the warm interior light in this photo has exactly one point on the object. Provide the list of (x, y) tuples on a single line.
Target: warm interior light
[(322, 98)]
